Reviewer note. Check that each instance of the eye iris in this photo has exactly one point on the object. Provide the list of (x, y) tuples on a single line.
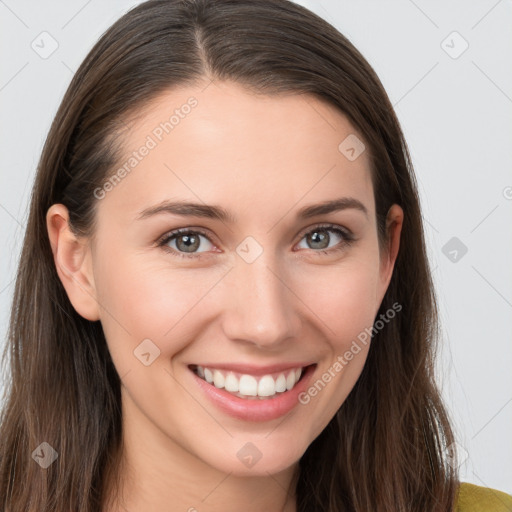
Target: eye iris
[(191, 243), (321, 238)]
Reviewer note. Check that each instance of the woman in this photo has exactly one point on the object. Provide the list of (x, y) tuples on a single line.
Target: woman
[(224, 299)]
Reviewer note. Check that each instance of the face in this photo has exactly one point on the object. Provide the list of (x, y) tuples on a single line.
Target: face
[(249, 296)]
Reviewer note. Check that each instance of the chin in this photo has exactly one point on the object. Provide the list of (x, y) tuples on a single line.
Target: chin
[(260, 457)]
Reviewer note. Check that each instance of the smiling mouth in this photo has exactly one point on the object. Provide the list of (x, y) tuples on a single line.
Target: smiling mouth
[(251, 387)]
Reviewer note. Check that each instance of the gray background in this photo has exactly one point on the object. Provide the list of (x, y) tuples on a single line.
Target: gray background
[(455, 108)]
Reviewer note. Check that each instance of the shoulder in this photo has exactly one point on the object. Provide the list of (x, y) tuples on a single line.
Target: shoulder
[(474, 498)]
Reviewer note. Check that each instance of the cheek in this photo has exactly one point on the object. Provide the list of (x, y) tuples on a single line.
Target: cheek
[(344, 299), (153, 301)]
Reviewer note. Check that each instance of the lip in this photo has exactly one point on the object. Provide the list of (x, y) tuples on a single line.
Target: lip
[(256, 410)]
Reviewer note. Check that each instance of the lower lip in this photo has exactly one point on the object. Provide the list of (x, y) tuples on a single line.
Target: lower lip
[(256, 410)]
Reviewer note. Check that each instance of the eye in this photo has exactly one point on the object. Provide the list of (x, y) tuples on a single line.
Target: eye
[(319, 239), (183, 241)]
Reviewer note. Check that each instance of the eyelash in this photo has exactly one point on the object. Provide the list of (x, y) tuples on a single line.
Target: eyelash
[(347, 236)]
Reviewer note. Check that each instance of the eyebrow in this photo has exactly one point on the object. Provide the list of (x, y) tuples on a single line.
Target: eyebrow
[(218, 212)]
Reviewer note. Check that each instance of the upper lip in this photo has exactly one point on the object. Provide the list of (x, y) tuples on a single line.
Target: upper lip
[(253, 369)]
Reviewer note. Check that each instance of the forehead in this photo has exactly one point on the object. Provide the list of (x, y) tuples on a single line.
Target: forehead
[(222, 144)]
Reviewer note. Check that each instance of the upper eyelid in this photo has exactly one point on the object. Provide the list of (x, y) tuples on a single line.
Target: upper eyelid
[(174, 233), (327, 226)]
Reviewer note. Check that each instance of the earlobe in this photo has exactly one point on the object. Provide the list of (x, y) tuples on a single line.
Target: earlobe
[(73, 262)]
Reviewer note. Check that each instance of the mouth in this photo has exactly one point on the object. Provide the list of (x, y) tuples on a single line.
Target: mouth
[(257, 394), (249, 386)]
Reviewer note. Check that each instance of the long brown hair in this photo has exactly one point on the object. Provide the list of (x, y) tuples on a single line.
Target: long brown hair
[(390, 445)]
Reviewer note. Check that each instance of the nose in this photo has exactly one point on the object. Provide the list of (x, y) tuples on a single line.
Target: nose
[(261, 307)]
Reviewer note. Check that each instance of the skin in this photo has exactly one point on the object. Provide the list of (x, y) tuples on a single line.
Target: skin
[(262, 158)]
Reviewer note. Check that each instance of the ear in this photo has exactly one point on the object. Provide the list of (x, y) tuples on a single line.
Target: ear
[(394, 223), (73, 262)]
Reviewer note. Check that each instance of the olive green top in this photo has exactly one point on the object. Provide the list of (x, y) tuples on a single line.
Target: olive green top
[(474, 498)]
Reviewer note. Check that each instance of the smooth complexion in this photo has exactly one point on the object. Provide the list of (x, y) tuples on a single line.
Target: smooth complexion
[(262, 159)]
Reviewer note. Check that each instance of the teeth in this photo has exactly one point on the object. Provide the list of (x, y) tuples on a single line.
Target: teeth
[(231, 384), (244, 385), (218, 379), (281, 383), (267, 386), (248, 385), (290, 381)]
